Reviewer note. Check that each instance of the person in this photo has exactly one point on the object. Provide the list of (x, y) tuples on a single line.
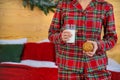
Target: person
[(89, 18)]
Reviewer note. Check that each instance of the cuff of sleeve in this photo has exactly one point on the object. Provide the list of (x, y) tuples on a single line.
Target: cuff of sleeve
[(98, 44), (101, 45), (60, 39)]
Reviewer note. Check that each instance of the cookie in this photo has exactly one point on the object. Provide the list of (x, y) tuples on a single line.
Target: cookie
[(88, 47)]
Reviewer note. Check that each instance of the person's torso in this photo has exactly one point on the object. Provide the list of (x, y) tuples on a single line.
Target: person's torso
[(88, 27)]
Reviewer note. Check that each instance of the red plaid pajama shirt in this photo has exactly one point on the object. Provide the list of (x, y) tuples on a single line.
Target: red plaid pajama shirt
[(89, 23)]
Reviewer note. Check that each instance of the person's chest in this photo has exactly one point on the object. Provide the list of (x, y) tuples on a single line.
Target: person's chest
[(90, 19)]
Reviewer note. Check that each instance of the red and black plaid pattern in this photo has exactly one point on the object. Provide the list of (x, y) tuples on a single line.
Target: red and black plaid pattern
[(71, 75), (89, 23)]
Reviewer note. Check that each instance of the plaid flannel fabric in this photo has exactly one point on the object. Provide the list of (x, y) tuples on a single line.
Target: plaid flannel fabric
[(89, 23), (96, 75)]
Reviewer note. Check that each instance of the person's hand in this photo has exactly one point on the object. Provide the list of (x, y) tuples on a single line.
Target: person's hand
[(66, 35), (94, 49)]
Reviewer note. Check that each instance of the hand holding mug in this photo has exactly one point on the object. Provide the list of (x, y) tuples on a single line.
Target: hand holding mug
[(66, 35)]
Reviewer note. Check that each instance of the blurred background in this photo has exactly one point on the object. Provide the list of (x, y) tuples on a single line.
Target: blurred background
[(19, 22)]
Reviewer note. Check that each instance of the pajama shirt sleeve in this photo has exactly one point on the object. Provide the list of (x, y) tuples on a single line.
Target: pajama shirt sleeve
[(54, 34), (110, 36)]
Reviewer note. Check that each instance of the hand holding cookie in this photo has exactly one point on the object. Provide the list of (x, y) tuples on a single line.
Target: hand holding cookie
[(89, 48)]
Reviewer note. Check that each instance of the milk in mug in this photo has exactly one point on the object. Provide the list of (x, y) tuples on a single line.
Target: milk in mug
[(71, 29)]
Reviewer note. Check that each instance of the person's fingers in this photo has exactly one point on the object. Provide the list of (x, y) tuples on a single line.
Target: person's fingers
[(90, 41), (66, 32), (94, 50), (88, 53), (83, 52), (65, 39), (92, 53), (66, 36), (94, 45)]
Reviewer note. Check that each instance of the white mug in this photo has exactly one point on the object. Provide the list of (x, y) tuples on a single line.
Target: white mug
[(71, 28), (72, 38)]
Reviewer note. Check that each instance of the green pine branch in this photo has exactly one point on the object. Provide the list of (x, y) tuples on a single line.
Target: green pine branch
[(45, 5)]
